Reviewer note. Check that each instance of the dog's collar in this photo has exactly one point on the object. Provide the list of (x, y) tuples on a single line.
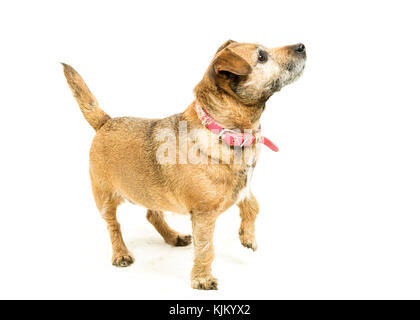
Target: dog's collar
[(231, 137)]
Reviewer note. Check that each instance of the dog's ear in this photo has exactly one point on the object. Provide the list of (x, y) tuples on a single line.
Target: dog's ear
[(225, 45), (229, 61)]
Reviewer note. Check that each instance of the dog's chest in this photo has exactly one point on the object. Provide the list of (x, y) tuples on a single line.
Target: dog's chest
[(245, 176), (220, 185), (246, 189)]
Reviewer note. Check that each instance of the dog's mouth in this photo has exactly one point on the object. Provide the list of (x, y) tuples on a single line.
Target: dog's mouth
[(290, 67), (292, 71), (276, 85)]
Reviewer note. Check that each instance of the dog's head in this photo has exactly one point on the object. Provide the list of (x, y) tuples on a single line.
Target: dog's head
[(252, 72)]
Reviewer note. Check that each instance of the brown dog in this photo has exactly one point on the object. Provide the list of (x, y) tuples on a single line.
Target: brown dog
[(156, 163)]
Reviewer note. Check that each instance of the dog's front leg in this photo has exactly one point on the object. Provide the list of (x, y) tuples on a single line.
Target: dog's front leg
[(202, 231), (248, 209)]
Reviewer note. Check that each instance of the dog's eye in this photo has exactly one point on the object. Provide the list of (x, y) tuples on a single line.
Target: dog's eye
[(262, 56)]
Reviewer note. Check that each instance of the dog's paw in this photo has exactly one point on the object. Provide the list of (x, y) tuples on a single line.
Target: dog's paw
[(208, 283), (183, 240), (247, 240), (123, 260), (250, 245)]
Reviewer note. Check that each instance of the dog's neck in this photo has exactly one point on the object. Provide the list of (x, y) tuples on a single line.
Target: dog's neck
[(223, 113), (228, 110)]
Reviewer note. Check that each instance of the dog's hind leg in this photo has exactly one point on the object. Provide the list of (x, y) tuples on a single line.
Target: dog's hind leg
[(107, 203), (248, 209), (157, 219)]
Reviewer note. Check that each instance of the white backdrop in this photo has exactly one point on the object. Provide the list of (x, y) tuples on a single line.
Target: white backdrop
[(340, 209)]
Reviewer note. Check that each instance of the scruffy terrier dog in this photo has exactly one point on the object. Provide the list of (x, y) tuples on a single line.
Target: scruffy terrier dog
[(198, 162)]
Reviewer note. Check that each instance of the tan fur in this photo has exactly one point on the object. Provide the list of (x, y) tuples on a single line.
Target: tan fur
[(157, 219), (248, 210), (123, 163), (86, 100)]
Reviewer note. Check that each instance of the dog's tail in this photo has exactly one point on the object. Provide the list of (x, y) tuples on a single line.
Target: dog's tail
[(86, 100)]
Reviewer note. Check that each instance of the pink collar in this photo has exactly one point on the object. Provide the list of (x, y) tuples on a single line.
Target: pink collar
[(231, 137)]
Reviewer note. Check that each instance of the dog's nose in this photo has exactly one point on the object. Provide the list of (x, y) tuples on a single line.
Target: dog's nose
[(300, 48)]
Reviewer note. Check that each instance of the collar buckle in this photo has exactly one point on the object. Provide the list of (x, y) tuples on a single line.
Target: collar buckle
[(245, 140), (221, 134)]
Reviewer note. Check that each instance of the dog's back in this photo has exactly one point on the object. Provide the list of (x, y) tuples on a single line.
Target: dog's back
[(122, 155), (123, 159)]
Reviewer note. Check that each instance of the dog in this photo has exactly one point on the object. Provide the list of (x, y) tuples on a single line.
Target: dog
[(127, 161)]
